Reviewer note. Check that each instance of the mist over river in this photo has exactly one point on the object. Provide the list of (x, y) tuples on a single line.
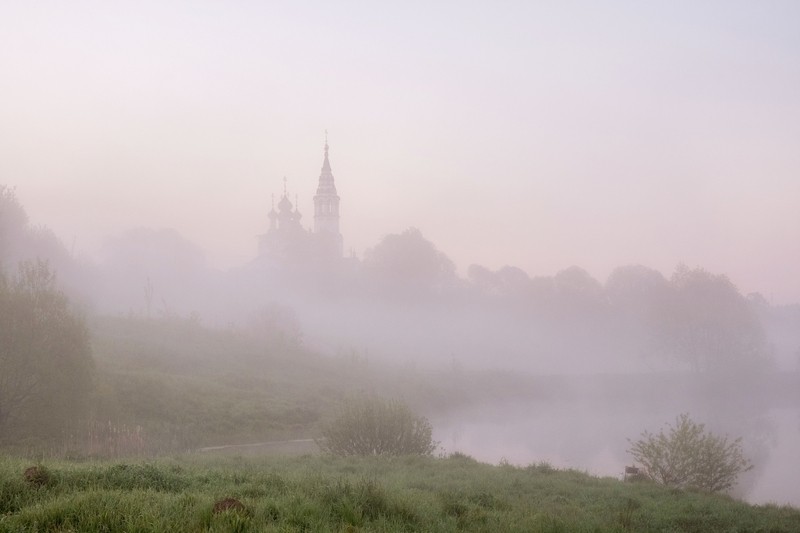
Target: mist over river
[(591, 435)]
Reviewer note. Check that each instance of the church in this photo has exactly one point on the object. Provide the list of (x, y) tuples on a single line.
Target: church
[(287, 241)]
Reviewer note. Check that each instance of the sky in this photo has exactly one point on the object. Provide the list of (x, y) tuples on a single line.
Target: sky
[(534, 134)]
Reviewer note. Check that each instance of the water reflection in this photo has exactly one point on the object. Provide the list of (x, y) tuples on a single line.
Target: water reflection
[(593, 438)]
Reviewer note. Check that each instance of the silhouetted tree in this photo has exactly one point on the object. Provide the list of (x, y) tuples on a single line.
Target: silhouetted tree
[(409, 263), (509, 282), (636, 289), (577, 294), (709, 325), (45, 355), (637, 296), (21, 241), (13, 222)]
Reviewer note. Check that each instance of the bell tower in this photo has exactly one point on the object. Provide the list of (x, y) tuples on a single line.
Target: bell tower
[(326, 207)]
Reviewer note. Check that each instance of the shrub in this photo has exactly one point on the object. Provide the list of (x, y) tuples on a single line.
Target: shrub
[(690, 456), (37, 476), (463, 457), (372, 426)]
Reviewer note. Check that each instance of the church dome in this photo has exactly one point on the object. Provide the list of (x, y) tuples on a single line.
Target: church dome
[(285, 204)]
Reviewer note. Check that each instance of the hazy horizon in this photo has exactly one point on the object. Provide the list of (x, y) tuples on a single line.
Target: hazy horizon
[(534, 135)]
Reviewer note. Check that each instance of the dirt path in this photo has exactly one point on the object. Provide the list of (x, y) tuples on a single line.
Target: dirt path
[(292, 446)]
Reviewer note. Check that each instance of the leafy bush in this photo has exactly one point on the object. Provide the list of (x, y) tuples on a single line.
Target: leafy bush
[(372, 426), (690, 456)]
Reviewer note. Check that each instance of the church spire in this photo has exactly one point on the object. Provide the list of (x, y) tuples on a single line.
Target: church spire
[(326, 185), (325, 163), (326, 203)]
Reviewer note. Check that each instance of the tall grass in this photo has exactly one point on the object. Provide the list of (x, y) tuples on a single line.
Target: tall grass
[(357, 494)]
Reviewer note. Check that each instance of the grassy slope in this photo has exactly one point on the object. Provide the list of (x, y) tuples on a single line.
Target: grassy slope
[(326, 494), (198, 387), (195, 386), (190, 386)]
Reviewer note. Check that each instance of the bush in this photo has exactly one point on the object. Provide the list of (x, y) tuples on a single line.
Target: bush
[(372, 426), (689, 456)]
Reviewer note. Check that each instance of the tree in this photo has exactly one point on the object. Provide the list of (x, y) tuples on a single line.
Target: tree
[(372, 426), (45, 355), (577, 294), (636, 290), (637, 296), (509, 282), (22, 241), (709, 325), (409, 264), (13, 222), (689, 456)]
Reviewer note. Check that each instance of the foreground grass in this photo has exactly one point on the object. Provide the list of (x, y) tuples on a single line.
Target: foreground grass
[(337, 495)]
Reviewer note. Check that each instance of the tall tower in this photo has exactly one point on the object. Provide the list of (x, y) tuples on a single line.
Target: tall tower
[(326, 208)]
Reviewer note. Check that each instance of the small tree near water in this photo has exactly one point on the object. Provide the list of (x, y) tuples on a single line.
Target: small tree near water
[(689, 456), (372, 426)]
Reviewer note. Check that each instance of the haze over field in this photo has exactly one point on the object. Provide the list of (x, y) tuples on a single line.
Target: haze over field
[(539, 135), (561, 224)]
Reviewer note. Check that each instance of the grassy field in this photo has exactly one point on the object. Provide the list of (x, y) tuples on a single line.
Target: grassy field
[(324, 494), (169, 386), (183, 386)]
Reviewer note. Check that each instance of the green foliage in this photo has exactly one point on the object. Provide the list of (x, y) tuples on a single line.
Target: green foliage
[(372, 426), (689, 456), (332, 495), (46, 365)]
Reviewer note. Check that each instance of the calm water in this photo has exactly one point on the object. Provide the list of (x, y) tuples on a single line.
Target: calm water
[(593, 438)]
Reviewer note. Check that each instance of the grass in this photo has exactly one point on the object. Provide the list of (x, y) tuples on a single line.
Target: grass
[(324, 494), (186, 386), (172, 385)]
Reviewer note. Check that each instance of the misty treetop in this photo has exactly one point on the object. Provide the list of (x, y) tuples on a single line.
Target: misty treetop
[(637, 320), (12, 214), (22, 241), (408, 263)]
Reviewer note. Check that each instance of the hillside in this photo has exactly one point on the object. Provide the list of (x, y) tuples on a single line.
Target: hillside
[(181, 386), (324, 494), (188, 386)]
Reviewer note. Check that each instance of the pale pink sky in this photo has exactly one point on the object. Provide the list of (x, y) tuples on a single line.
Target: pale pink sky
[(536, 134)]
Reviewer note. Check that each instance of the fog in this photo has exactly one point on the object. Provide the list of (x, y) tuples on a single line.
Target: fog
[(532, 135), (581, 218)]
